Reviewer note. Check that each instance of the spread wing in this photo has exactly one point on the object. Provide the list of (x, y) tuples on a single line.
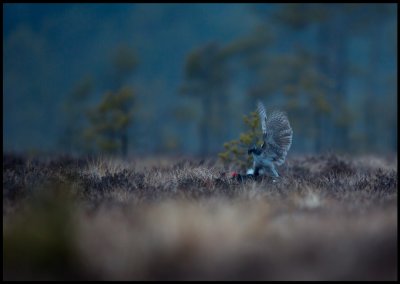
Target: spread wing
[(278, 136), (277, 133), (263, 116)]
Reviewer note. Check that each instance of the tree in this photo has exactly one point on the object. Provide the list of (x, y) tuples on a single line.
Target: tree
[(304, 73), (250, 55), (110, 120), (371, 23), (111, 117), (236, 150), (206, 78), (74, 109), (124, 63), (184, 113)]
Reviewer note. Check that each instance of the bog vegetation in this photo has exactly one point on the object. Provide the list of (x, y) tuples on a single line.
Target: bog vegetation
[(329, 218)]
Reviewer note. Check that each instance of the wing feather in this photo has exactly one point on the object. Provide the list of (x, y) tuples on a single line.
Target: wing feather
[(278, 135), (263, 116)]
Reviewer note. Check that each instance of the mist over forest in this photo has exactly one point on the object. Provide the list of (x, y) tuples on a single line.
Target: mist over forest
[(182, 76)]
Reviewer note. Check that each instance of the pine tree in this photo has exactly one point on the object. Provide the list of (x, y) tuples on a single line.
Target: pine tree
[(110, 120), (236, 150), (74, 108), (206, 78)]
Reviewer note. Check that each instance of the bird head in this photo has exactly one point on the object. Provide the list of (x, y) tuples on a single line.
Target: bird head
[(254, 150), (250, 150)]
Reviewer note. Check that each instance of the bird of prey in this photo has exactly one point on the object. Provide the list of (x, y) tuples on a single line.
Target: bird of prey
[(277, 139)]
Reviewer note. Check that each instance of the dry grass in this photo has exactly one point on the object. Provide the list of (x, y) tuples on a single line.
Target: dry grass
[(329, 218)]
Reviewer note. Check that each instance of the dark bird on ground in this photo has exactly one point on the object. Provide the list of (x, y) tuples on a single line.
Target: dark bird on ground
[(277, 139)]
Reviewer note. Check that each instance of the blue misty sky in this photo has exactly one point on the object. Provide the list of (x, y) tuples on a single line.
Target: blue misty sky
[(49, 47)]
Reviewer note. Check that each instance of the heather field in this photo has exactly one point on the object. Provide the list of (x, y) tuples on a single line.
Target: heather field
[(328, 217)]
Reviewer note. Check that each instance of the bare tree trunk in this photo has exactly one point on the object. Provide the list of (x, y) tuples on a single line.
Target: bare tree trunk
[(341, 89), (124, 142), (204, 126), (324, 121), (373, 87)]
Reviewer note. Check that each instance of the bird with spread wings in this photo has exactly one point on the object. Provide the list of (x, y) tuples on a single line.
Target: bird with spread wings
[(277, 139)]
